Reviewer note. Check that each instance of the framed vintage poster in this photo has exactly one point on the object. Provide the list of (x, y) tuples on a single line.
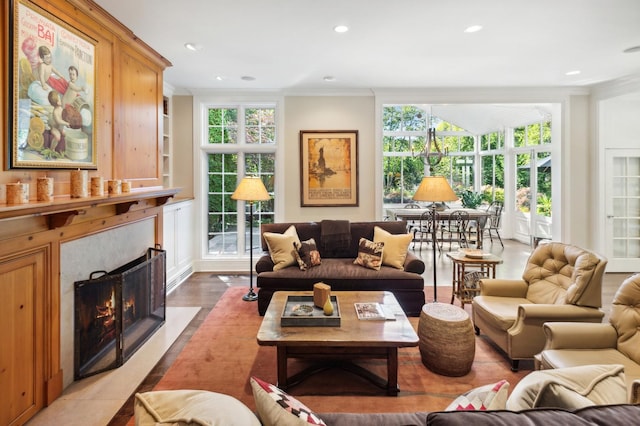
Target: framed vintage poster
[(53, 70), (329, 168)]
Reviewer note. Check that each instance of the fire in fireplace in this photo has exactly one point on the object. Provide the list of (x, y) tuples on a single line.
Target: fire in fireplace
[(117, 311)]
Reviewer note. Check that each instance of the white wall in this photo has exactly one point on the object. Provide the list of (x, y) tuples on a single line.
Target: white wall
[(329, 113)]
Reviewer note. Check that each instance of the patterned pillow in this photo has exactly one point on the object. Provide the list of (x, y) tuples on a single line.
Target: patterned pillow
[(369, 254), (487, 397), (307, 254), (276, 408)]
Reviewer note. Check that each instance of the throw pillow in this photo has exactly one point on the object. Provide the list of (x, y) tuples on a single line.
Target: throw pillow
[(395, 247), (281, 248), (570, 388), (275, 407), (307, 254), (369, 254), (487, 397), (191, 407)]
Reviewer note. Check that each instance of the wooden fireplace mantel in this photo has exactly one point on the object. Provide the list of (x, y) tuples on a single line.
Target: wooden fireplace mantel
[(63, 209)]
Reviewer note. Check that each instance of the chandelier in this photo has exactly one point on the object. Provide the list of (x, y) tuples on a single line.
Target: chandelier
[(432, 151)]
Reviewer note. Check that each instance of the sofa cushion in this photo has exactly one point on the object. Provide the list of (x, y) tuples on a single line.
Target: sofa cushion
[(369, 254), (307, 254), (487, 397), (571, 388), (191, 407), (277, 408), (395, 247), (282, 247), (534, 417)]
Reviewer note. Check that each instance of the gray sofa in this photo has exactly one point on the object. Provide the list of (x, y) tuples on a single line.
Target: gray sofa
[(337, 268), (604, 415)]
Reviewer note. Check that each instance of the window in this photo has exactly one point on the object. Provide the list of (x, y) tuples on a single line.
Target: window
[(241, 140), (404, 135)]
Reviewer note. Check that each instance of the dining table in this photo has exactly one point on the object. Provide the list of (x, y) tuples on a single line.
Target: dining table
[(414, 215)]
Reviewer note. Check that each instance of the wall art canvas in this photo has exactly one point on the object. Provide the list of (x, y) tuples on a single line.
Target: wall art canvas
[(53, 92), (329, 168)]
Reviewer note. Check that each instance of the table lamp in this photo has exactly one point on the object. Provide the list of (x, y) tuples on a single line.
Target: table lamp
[(250, 189), (435, 189)]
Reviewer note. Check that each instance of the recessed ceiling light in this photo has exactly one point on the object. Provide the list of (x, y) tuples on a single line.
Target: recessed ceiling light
[(633, 49), (341, 28), (329, 78), (247, 78), (574, 72), (192, 46), (473, 29), (219, 78)]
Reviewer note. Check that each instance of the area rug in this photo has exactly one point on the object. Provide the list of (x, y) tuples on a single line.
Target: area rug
[(223, 354)]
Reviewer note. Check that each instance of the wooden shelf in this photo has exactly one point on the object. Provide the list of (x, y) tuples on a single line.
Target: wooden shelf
[(62, 210)]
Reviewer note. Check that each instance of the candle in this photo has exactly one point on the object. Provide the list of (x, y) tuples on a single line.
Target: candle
[(44, 190), (126, 186), (114, 186), (97, 186), (17, 193), (79, 183)]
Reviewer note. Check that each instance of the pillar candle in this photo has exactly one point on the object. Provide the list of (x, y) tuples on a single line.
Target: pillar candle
[(17, 193), (97, 186), (126, 186), (44, 190), (114, 186), (79, 183)]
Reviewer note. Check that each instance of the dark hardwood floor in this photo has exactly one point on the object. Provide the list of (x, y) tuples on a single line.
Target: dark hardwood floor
[(204, 289)]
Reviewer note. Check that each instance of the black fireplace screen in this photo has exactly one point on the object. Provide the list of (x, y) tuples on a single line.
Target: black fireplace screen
[(116, 312)]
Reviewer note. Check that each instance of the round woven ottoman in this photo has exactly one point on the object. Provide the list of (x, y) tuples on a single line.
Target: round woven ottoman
[(447, 342)]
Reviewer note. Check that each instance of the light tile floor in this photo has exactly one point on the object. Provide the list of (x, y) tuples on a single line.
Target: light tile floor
[(94, 400)]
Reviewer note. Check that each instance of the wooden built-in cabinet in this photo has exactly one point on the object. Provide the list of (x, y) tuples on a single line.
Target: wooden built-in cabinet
[(129, 131), (178, 237)]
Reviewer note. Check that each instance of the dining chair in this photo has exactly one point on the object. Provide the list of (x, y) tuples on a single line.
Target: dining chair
[(494, 220), (454, 230), (423, 232)]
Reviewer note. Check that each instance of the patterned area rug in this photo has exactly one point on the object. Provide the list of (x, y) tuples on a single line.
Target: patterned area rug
[(223, 354)]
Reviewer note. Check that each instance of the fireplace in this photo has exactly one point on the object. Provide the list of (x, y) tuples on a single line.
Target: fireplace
[(116, 312)]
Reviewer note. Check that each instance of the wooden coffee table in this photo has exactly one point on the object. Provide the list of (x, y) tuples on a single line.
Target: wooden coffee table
[(331, 347)]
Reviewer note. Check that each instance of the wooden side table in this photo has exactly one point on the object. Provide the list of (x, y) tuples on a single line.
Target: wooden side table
[(485, 264)]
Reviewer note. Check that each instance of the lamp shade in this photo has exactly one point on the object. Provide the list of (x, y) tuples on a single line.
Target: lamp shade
[(434, 189), (251, 188)]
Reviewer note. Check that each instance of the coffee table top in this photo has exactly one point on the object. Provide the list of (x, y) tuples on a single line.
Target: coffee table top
[(352, 331)]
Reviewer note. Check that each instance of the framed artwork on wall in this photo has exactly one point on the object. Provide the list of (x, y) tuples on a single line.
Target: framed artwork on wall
[(328, 168), (53, 80)]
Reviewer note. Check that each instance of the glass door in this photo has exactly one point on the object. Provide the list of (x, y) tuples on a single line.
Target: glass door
[(622, 198)]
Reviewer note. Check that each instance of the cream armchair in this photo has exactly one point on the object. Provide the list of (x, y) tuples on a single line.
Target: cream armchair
[(561, 282), (571, 344)]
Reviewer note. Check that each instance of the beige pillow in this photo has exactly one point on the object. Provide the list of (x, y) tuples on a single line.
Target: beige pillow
[(282, 247), (191, 407), (395, 247), (570, 388)]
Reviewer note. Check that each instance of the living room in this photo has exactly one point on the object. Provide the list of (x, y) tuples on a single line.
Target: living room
[(598, 117)]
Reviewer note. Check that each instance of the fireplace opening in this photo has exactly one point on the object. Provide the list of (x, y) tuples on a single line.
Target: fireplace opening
[(117, 311)]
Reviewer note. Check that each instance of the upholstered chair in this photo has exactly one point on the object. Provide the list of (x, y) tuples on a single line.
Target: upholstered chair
[(561, 282), (617, 342)]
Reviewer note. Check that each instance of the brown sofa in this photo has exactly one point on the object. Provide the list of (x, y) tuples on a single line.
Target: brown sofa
[(337, 268)]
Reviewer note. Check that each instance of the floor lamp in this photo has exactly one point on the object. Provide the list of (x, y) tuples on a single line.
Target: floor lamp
[(251, 189), (435, 189)]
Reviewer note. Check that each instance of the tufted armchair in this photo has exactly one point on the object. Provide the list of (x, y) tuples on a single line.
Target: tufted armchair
[(571, 344), (561, 282)]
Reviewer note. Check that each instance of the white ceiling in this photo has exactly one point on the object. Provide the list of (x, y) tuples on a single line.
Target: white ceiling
[(290, 44)]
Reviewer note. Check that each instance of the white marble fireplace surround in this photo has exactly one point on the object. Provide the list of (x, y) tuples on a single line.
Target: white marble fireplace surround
[(79, 258)]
